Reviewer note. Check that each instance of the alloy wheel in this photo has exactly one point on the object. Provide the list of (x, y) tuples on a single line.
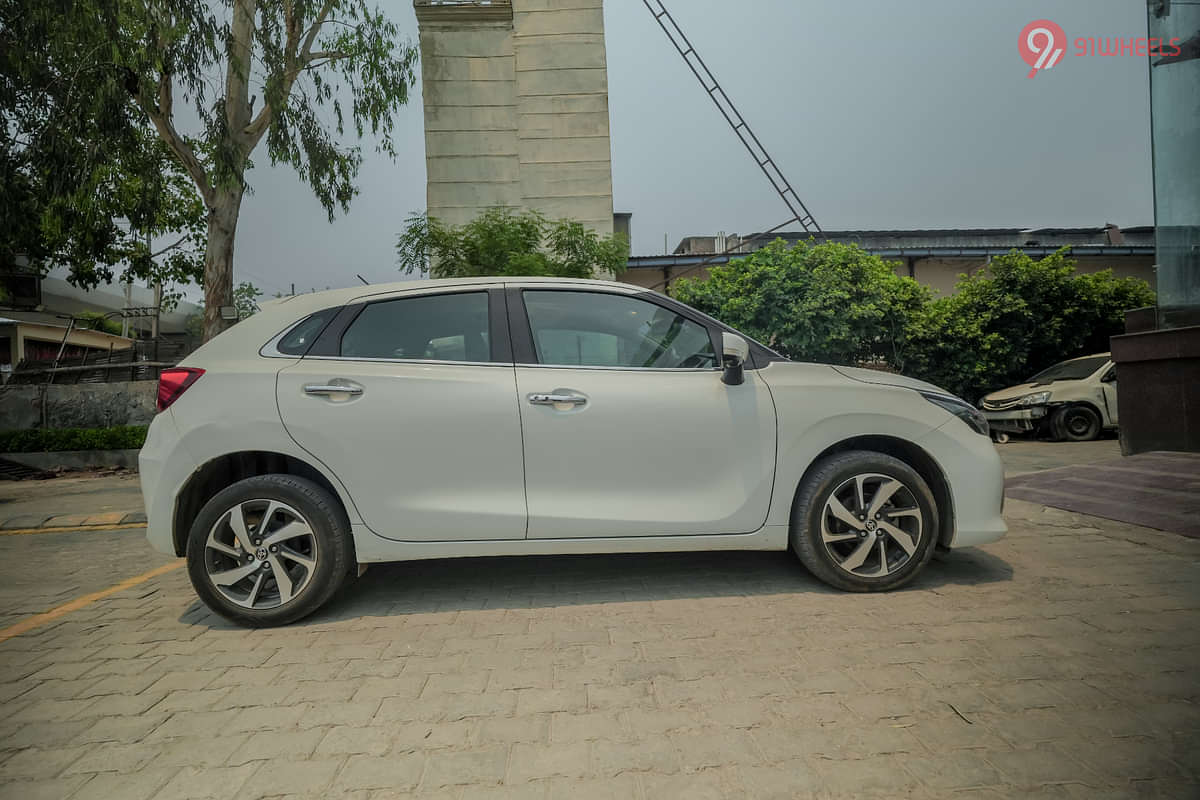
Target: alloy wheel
[(260, 554), (871, 525)]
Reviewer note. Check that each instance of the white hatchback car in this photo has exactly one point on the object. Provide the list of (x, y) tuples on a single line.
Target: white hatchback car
[(488, 417)]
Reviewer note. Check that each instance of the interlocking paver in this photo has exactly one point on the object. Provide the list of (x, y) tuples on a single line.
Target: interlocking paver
[(275, 778), (141, 785), (206, 782), (276, 746), (1058, 662), (395, 773)]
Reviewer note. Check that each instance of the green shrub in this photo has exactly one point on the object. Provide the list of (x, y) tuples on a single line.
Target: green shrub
[(832, 303), (1016, 318), (837, 304), (39, 440)]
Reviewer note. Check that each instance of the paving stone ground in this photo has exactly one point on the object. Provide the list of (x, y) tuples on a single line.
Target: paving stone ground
[(1057, 663)]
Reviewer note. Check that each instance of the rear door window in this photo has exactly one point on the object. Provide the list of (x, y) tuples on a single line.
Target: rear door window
[(444, 327)]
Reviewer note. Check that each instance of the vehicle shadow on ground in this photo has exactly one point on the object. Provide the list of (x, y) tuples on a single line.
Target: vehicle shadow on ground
[(473, 584)]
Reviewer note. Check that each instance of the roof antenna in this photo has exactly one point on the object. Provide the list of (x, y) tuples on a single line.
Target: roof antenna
[(364, 280)]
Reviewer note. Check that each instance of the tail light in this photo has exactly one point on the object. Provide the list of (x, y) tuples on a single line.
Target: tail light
[(172, 383)]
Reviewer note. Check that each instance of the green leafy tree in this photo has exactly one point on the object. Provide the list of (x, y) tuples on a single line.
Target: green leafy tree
[(831, 303), (245, 300), (84, 179), (296, 73), (503, 241), (1015, 318)]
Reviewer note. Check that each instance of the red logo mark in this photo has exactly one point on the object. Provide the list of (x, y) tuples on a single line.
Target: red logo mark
[(1042, 44)]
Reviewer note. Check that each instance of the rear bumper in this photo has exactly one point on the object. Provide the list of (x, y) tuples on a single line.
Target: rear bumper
[(1016, 420), (163, 466)]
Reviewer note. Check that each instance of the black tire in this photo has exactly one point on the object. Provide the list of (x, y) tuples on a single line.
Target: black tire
[(820, 483), (1076, 424), (331, 547)]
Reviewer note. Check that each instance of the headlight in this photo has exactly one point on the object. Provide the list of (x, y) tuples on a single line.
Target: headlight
[(961, 409), (1039, 399)]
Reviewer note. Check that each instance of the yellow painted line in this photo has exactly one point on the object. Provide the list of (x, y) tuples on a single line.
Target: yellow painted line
[(71, 529), (38, 620)]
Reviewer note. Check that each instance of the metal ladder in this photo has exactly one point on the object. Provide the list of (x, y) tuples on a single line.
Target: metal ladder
[(728, 110)]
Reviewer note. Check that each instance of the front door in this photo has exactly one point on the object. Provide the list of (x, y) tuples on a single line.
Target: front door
[(426, 435), (628, 429), (1108, 386)]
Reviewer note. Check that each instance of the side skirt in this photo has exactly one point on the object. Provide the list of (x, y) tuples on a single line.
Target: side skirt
[(373, 548)]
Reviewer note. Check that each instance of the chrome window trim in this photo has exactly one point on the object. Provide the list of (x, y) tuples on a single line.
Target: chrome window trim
[(622, 369), (441, 362)]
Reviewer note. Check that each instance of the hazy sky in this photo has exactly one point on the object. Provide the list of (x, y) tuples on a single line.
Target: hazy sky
[(882, 114)]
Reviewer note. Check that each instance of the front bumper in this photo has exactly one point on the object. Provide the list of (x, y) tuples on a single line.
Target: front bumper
[(975, 473), (1022, 420)]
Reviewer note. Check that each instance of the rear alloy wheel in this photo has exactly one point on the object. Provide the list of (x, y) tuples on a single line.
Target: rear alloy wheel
[(260, 554), (1077, 424), (268, 550), (864, 521)]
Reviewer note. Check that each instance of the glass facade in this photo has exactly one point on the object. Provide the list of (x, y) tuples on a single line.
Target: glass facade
[(1175, 119)]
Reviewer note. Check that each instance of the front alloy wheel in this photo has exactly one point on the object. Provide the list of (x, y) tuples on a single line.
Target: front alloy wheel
[(871, 525), (864, 521)]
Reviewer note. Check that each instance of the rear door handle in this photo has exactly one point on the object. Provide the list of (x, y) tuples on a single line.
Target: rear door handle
[(555, 399), (331, 388)]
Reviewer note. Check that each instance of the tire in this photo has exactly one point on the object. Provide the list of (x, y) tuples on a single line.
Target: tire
[(836, 478), (1076, 424), (1000, 437), (313, 556)]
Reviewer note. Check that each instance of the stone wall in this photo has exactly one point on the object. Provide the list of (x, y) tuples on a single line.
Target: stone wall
[(85, 405), (516, 109)]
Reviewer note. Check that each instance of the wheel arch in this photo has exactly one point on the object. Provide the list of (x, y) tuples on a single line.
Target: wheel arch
[(1066, 404), (911, 454), (225, 470)]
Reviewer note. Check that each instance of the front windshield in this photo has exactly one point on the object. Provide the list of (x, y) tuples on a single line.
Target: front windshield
[(1070, 370)]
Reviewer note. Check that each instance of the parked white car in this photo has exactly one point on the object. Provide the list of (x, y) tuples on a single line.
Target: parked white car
[(488, 417), (1073, 400)]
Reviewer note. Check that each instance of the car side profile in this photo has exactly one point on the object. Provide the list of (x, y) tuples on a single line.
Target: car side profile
[(490, 417)]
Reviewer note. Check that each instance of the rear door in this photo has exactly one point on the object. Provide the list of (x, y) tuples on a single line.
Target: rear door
[(411, 401), (628, 429)]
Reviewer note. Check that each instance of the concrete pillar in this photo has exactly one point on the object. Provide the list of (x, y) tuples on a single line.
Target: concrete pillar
[(516, 109)]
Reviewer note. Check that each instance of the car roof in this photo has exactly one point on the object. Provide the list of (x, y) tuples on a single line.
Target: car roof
[(334, 297), (1081, 358)]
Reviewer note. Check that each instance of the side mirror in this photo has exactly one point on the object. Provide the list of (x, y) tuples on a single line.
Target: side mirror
[(734, 352)]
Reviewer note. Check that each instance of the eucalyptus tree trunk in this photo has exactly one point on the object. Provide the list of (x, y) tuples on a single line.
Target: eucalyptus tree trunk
[(218, 259)]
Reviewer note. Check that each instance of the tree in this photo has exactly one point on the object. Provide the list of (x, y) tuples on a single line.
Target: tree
[(1017, 317), (832, 303), (245, 300), (292, 59), (503, 241), (84, 180)]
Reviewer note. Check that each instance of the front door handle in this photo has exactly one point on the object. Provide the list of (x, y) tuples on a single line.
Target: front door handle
[(555, 399), (331, 388)]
